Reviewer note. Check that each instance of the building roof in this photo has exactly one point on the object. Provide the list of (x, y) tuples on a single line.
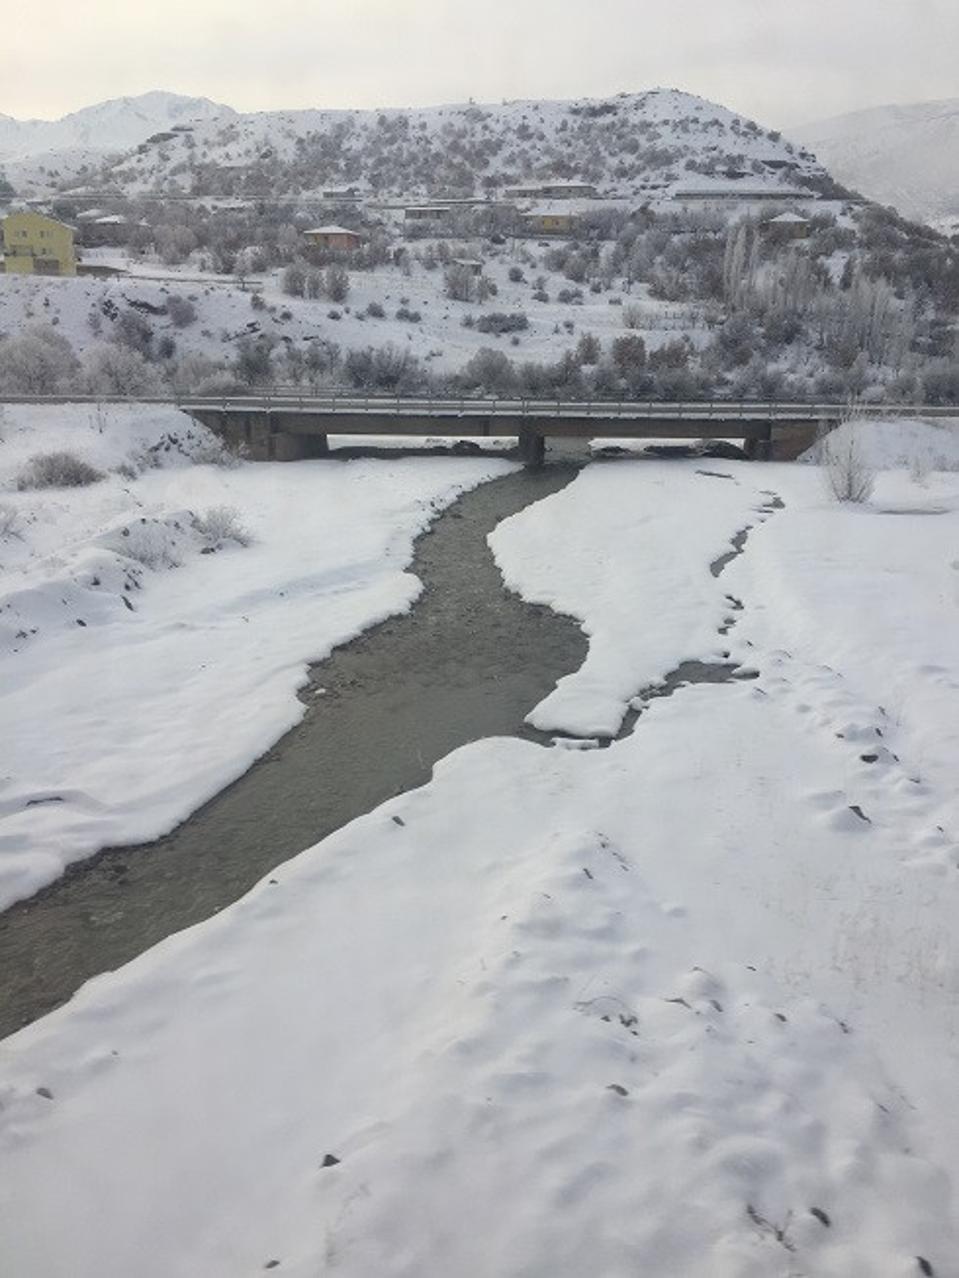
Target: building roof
[(547, 185), (333, 230), (789, 217), (741, 193), (547, 210)]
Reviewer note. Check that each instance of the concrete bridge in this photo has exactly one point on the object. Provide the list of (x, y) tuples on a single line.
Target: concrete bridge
[(292, 427), (287, 425)]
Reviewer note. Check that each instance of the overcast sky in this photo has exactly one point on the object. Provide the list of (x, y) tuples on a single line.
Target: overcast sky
[(780, 61)]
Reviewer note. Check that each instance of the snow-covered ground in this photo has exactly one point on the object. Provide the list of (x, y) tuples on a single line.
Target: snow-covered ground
[(138, 675), (686, 1005), (84, 309)]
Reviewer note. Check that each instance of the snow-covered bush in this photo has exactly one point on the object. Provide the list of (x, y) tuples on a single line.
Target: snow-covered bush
[(459, 283), (210, 450), (154, 543), (181, 310), (37, 361), (110, 369), (336, 284), (220, 524), (9, 521), (500, 322), (293, 280), (57, 470), (848, 474)]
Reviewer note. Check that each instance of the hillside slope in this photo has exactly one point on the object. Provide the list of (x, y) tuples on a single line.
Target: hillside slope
[(34, 152), (907, 156), (632, 144)]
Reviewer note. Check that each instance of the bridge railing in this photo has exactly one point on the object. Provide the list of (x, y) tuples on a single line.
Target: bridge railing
[(347, 401)]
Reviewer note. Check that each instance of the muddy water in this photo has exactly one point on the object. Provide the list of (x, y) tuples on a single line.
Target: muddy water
[(470, 660)]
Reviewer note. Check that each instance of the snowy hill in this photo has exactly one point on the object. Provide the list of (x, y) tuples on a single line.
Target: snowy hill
[(631, 144), (34, 150), (907, 156)]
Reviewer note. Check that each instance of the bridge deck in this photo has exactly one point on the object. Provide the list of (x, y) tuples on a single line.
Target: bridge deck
[(286, 423)]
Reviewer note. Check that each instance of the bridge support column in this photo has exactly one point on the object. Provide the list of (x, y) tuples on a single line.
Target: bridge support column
[(532, 447), (794, 438), (759, 443), (287, 447)]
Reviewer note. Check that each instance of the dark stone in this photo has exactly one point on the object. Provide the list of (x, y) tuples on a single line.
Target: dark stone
[(330, 1160)]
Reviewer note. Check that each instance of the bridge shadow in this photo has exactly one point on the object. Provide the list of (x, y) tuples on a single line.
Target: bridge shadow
[(560, 451)]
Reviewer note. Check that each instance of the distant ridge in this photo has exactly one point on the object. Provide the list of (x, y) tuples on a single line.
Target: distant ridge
[(907, 156)]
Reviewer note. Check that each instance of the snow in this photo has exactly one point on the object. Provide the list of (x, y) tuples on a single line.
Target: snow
[(905, 155), (672, 1007), (195, 658), (330, 230), (639, 582), (527, 135), (440, 339), (901, 443), (42, 153)]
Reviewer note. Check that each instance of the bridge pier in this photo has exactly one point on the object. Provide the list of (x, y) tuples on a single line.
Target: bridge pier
[(286, 447), (758, 442), (532, 447), (257, 437)]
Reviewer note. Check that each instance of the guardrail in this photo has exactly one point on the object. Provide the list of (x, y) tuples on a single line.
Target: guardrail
[(294, 399)]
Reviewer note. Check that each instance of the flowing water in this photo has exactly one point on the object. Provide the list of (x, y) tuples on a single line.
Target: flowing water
[(470, 660)]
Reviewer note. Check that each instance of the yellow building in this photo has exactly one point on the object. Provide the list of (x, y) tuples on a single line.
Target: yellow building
[(550, 222), (37, 245)]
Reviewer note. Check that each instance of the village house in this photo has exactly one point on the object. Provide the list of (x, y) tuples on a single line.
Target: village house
[(552, 191), (34, 244), (786, 227), (427, 212), (334, 237), (548, 221), (724, 199), (109, 231)]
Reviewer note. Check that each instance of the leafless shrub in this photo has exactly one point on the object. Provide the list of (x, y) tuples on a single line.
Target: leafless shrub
[(213, 451), (57, 470), (220, 524), (920, 466), (10, 526), (848, 474)]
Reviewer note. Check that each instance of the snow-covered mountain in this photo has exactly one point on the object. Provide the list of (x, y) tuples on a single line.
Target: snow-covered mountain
[(907, 156), (112, 126), (631, 144), (43, 153)]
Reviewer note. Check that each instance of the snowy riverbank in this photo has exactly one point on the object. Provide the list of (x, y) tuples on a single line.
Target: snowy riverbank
[(140, 676), (686, 1005)]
